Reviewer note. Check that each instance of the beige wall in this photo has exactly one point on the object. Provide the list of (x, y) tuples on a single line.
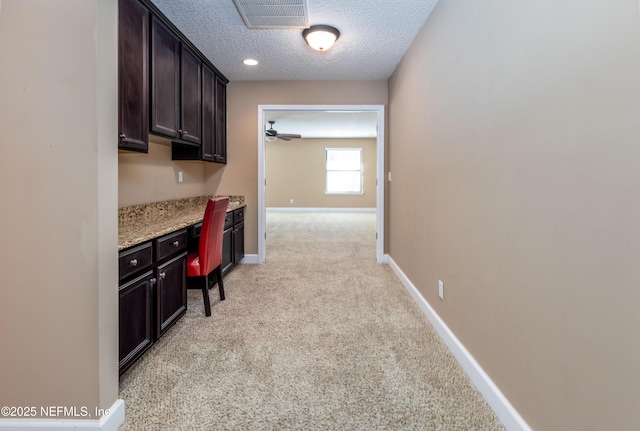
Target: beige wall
[(153, 177), (297, 170), (240, 176), (514, 133), (58, 182)]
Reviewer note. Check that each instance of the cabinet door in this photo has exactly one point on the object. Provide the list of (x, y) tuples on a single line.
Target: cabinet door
[(171, 297), (221, 121), (133, 93), (227, 250), (191, 97), (238, 242), (208, 114), (135, 319), (165, 80)]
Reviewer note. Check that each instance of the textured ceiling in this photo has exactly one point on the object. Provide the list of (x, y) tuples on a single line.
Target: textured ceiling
[(375, 35)]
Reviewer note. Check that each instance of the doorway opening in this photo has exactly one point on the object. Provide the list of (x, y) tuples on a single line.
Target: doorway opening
[(265, 110)]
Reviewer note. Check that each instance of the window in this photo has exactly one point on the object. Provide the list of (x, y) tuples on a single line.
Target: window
[(344, 171)]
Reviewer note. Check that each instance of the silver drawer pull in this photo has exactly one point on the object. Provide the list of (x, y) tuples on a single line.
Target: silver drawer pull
[(123, 136), (163, 275), (134, 262), (176, 243), (152, 281)]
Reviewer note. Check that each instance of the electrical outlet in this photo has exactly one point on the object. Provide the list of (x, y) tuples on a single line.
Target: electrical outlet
[(441, 289), (389, 176), (180, 176)]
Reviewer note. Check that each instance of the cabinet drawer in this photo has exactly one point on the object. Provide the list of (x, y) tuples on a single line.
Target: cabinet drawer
[(134, 260), (170, 244), (228, 220), (238, 215)]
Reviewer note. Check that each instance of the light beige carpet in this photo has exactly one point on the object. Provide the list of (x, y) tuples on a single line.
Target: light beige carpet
[(320, 337)]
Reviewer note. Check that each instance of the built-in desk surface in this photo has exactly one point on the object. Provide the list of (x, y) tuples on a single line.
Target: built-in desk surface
[(141, 223)]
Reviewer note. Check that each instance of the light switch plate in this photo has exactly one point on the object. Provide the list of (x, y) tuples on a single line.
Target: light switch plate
[(441, 289)]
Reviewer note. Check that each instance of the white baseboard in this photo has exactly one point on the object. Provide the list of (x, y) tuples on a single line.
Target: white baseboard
[(108, 422), (319, 210), (503, 409), (250, 259)]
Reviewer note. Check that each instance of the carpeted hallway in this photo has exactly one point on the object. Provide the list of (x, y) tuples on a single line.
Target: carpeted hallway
[(320, 337)]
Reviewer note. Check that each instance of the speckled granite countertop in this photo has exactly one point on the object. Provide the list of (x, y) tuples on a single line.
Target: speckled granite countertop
[(141, 223)]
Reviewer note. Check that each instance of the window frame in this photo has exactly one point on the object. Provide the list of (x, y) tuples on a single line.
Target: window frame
[(327, 170)]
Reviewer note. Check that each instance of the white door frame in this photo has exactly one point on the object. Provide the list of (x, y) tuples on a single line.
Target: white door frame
[(380, 177)]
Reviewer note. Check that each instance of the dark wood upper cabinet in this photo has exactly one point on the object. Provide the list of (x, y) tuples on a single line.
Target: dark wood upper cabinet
[(221, 121), (191, 97), (208, 114), (167, 88), (165, 80), (175, 87), (213, 102), (133, 72)]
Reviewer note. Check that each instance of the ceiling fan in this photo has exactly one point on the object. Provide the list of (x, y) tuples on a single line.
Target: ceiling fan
[(272, 135)]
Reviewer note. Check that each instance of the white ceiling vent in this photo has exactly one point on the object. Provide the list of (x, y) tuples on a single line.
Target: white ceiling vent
[(273, 13)]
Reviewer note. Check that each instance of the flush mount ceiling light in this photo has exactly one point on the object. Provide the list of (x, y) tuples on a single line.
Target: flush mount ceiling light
[(250, 62), (321, 37)]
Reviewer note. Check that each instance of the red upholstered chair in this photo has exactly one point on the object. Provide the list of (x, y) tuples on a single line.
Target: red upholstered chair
[(208, 258)]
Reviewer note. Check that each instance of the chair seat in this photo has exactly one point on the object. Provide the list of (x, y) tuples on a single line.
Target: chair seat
[(193, 265)]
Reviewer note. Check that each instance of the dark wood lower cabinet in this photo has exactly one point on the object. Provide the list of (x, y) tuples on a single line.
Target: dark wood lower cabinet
[(238, 242), (171, 292), (238, 235), (227, 250), (136, 319), (153, 293), (233, 239)]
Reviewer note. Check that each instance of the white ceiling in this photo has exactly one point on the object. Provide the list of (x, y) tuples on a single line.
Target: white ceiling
[(374, 36), (314, 124)]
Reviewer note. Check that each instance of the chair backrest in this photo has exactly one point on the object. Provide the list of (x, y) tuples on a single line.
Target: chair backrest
[(210, 246)]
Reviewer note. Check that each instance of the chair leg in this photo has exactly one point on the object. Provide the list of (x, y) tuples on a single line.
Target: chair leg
[(220, 285), (205, 296)]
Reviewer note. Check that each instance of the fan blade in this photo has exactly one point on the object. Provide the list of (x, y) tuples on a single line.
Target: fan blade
[(288, 136)]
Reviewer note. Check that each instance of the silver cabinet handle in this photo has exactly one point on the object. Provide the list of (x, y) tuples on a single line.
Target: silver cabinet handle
[(180, 131), (176, 243), (152, 281), (134, 262), (163, 275)]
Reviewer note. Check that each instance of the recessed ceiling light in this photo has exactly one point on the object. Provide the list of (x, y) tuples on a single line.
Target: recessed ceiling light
[(250, 62)]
